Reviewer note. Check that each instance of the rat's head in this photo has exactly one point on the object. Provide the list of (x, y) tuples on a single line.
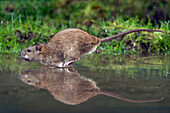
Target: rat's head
[(31, 53)]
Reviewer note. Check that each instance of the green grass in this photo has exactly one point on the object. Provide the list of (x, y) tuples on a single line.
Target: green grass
[(34, 21)]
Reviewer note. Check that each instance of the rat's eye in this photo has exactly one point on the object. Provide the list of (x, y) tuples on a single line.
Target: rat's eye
[(28, 81), (28, 50)]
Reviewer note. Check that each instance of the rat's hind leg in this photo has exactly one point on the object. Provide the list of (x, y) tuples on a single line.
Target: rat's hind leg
[(70, 62)]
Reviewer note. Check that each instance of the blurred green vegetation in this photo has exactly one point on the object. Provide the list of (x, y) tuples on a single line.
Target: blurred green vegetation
[(25, 23)]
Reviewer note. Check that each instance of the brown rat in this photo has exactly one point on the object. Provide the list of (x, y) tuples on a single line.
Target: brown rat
[(68, 46)]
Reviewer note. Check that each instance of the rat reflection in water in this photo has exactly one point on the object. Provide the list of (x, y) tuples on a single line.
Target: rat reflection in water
[(67, 86)]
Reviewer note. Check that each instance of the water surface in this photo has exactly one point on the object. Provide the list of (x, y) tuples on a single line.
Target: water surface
[(29, 87)]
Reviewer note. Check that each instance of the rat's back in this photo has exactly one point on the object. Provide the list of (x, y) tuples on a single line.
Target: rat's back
[(74, 42)]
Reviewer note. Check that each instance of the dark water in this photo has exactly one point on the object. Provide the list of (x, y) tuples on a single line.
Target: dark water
[(33, 88)]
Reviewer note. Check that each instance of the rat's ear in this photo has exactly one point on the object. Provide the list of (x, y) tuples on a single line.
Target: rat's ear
[(38, 47)]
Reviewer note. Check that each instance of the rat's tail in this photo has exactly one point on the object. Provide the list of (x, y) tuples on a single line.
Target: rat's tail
[(127, 32), (129, 100)]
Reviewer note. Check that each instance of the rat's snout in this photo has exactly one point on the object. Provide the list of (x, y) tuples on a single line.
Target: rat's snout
[(23, 55)]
